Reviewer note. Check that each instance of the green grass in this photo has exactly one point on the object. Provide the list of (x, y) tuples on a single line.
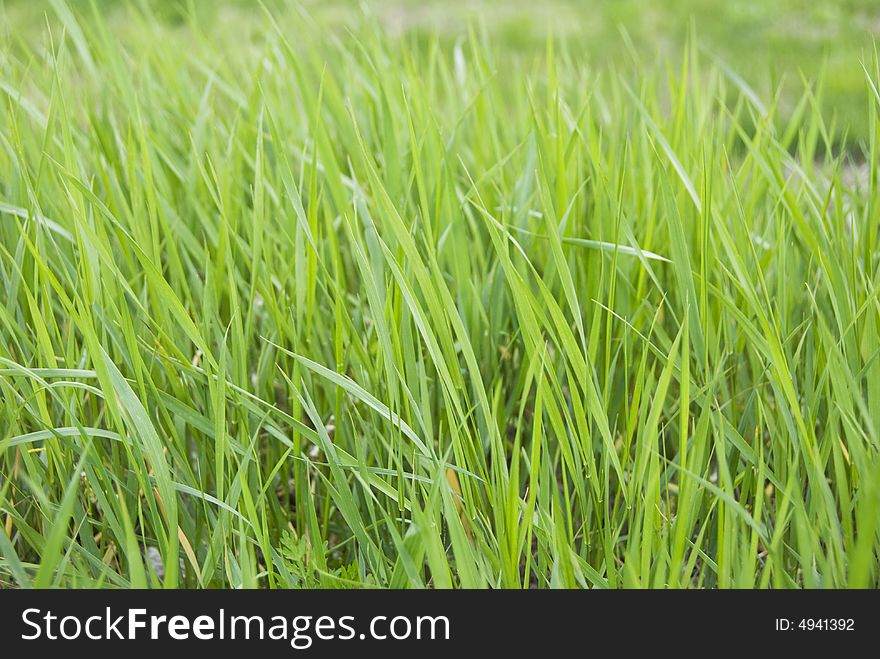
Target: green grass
[(773, 44), (297, 307)]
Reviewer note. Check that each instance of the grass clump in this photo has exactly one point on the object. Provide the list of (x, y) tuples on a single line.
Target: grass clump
[(285, 307)]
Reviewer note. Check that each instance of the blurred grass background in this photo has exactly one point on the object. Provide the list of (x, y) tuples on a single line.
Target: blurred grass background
[(772, 44)]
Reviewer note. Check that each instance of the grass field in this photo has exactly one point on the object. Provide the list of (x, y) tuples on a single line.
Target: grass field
[(437, 304)]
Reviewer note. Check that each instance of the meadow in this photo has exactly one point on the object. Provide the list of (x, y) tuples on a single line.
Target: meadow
[(297, 296)]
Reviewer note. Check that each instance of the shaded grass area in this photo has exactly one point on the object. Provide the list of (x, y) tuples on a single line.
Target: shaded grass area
[(293, 307)]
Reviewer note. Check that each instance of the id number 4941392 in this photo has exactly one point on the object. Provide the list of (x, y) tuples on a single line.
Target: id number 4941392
[(816, 624)]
